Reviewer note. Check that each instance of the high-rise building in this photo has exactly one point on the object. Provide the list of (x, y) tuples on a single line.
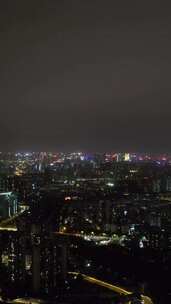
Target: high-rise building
[(8, 204)]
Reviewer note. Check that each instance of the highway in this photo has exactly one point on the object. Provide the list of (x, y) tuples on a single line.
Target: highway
[(26, 301), (9, 223), (92, 280), (86, 237), (116, 289)]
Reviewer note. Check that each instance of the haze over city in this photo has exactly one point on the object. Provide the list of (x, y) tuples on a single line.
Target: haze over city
[(85, 75)]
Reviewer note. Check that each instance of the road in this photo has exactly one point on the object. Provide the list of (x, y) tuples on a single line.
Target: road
[(9, 223), (116, 289), (87, 237), (92, 280), (25, 301)]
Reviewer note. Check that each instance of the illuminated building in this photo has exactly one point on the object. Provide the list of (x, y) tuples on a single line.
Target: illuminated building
[(168, 184), (8, 204), (126, 157)]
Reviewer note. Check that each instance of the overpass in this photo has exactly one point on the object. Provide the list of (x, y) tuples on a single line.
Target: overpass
[(9, 224), (114, 288)]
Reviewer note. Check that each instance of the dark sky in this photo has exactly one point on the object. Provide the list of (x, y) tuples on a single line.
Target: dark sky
[(85, 75)]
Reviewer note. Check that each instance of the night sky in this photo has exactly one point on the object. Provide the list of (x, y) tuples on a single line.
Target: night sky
[(85, 75)]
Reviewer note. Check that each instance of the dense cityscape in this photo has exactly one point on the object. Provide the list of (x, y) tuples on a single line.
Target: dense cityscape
[(88, 220), (78, 227)]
